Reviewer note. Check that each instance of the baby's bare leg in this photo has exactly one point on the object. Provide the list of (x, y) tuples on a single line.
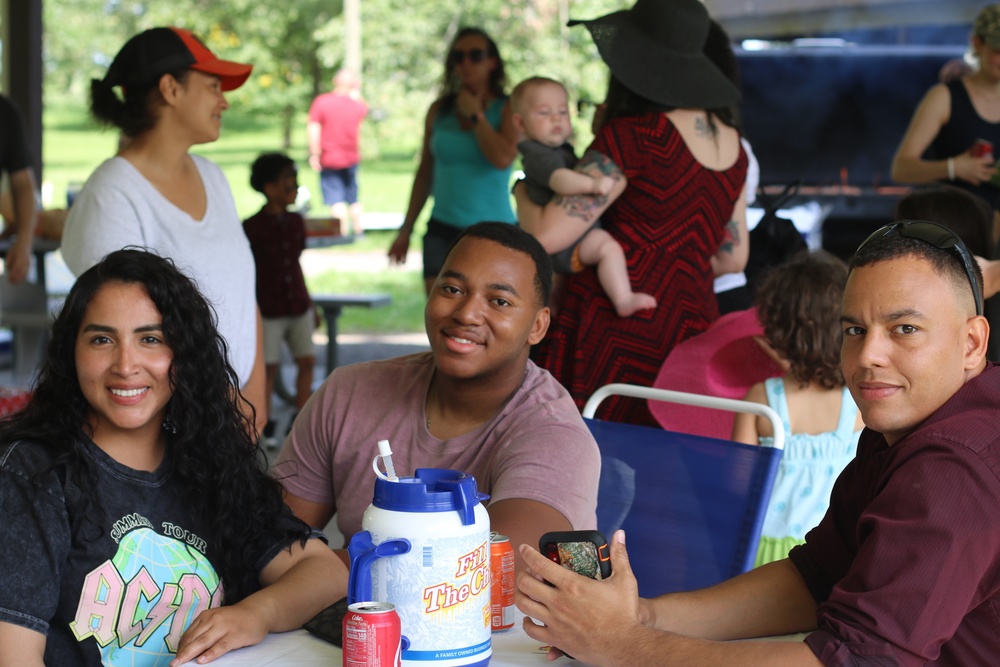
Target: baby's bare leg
[(598, 248)]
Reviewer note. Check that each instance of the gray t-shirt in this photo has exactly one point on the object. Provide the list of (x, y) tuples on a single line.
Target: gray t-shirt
[(538, 162), (112, 579), (536, 447)]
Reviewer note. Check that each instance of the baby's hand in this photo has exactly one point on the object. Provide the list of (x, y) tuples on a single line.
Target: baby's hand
[(603, 185)]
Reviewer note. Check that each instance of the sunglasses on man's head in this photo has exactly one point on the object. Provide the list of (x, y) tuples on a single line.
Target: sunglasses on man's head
[(475, 55), (938, 236)]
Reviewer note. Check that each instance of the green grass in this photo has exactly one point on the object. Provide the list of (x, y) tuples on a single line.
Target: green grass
[(406, 286), (74, 146)]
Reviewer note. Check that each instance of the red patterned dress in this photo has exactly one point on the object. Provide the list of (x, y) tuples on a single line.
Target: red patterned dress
[(670, 220)]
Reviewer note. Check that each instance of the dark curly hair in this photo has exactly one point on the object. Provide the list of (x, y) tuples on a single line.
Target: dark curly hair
[(267, 168), (799, 304), (213, 460), (450, 85)]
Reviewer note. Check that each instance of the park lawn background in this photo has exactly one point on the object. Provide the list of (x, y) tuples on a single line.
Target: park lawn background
[(74, 145)]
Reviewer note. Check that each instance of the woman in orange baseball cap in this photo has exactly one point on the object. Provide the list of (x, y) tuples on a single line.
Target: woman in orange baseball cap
[(165, 92)]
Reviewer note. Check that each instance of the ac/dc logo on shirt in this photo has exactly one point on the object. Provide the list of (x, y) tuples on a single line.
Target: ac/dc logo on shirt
[(140, 601)]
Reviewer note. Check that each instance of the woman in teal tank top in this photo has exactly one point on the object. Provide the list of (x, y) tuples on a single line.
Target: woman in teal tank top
[(469, 146), (799, 306)]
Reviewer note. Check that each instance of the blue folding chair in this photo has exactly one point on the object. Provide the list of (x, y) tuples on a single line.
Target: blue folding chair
[(691, 506)]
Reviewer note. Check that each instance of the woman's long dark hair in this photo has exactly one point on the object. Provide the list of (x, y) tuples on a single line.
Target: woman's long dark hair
[(622, 102), (450, 85), (213, 460), (719, 49)]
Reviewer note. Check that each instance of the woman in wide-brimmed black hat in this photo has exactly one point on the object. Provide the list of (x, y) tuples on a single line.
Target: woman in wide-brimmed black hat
[(677, 208)]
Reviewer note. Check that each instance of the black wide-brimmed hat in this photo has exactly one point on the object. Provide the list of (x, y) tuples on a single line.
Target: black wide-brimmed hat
[(656, 50)]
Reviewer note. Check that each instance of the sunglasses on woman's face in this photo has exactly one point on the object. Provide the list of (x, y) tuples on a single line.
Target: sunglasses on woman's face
[(475, 55)]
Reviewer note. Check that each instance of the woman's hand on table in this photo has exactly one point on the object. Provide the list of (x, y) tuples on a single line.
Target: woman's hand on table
[(299, 582), (215, 632), (588, 619)]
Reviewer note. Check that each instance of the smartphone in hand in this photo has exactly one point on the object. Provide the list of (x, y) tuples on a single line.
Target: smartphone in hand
[(585, 552)]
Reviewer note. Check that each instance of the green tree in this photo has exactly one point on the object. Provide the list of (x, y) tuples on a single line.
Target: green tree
[(282, 40), (404, 52), (297, 46)]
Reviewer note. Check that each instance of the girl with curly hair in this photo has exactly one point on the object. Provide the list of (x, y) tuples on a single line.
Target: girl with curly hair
[(138, 520), (798, 304)]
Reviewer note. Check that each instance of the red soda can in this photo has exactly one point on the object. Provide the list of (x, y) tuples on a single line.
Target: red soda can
[(502, 582), (981, 148), (371, 635)]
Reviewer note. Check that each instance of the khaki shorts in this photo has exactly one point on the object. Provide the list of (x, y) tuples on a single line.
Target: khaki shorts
[(296, 330)]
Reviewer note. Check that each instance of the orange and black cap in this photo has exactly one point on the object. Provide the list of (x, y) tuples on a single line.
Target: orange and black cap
[(151, 54)]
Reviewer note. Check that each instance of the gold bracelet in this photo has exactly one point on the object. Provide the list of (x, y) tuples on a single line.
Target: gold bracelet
[(951, 169)]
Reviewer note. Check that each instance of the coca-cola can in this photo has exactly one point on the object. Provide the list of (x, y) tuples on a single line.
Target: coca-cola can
[(371, 635), (502, 582), (981, 148)]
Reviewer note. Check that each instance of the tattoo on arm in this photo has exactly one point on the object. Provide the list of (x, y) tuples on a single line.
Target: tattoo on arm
[(603, 164), (584, 206), (732, 238), (580, 206)]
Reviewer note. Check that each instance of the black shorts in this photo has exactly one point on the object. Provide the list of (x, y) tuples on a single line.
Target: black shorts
[(437, 242)]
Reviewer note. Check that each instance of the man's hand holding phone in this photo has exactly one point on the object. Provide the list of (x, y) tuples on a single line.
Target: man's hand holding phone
[(582, 551), (581, 617)]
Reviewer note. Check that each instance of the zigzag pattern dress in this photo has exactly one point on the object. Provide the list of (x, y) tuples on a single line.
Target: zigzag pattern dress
[(670, 220)]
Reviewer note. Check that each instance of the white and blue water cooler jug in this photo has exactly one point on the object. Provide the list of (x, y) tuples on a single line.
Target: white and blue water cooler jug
[(425, 547)]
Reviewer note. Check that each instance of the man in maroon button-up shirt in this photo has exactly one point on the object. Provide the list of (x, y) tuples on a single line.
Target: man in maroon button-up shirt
[(905, 567)]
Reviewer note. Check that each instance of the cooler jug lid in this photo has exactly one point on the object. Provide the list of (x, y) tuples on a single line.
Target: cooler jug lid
[(431, 490)]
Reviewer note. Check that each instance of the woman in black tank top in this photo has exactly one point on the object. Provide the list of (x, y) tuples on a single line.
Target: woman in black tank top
[(955, 130)]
